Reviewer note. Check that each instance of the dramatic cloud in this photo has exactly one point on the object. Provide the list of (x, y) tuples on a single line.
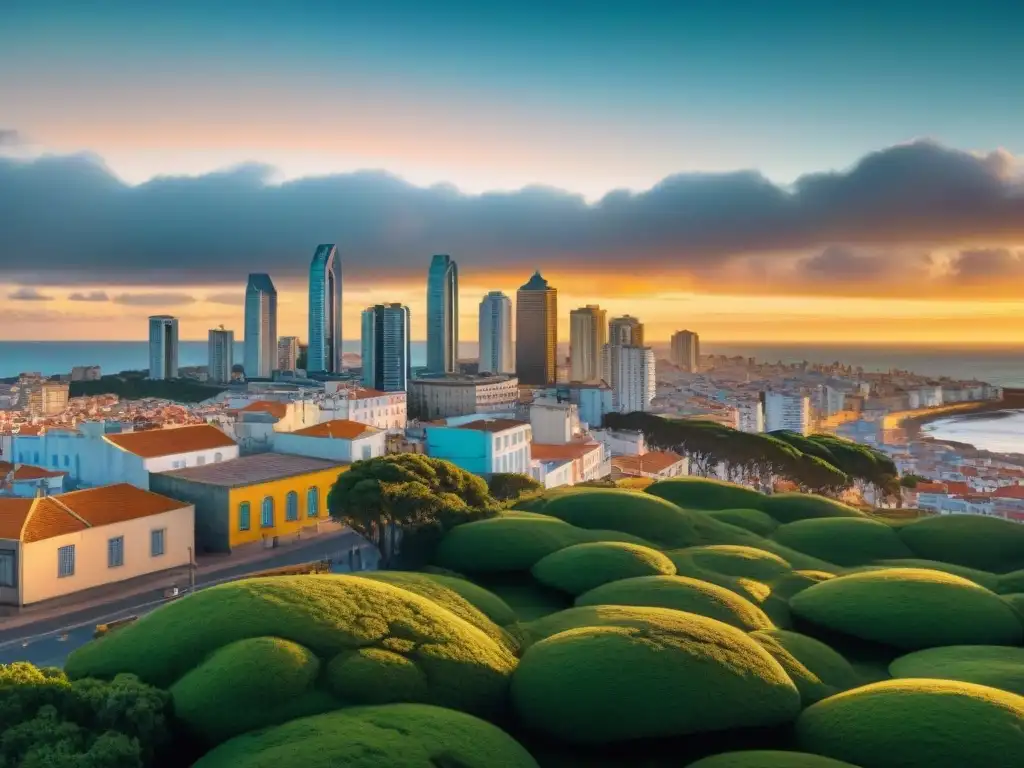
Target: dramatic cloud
[(841, 263), (987, 265), (89, 296), (71, 215), (28, 294), (154, 299)]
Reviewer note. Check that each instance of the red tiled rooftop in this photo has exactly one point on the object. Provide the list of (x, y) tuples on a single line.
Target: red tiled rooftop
[(153, 443), (274, 408), (337, 428), (653, 462), (27, 471), (1009, 492), (560, 451)]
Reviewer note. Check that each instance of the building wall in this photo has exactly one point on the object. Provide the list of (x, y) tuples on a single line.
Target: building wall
[(439, 399), (594, 404), (784, 411), (553, 476), (332, 449), (39, 575), (27, 489), (10, 593), (554, 423), (465, 448)]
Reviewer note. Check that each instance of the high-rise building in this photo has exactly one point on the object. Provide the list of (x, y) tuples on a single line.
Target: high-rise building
[(387, 359), (163, 347), (48, 398), (685, 351), (324, 340), (260, 326), (496, 334), (443, 315), (288, 353), (587, 337), (630, 371), (626, 331), (221, 355), (536, 331), (787, 411)]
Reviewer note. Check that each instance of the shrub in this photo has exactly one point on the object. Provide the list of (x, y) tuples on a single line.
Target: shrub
[(681, 594), (793, 583), (910, 608), (768, 759), (845, 541), (508, 486), (680, 674), (1010, 583), (527, 598), (326, 614), (738, 561), (790, 507), (405, 735), (817, 670), (753, 520), (382, 676), (986, 543), (703, 493), (996, 666), (218, 699), (744, 559), (596, 616), (981, 578), (917, 724), (582, 567)]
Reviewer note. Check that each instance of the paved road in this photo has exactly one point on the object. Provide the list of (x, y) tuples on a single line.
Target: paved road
[(48, 643)]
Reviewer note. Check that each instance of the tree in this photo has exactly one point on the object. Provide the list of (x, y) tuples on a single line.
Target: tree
[(509, 486)]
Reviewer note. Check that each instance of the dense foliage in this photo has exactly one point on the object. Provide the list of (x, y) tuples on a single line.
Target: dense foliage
[(137, 387)]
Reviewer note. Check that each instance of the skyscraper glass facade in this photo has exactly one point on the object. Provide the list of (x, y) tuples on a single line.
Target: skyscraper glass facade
[(324, 350), (442, 315), (260, 327)]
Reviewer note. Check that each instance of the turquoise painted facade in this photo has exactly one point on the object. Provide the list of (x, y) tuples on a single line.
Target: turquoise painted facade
[(470, 449)]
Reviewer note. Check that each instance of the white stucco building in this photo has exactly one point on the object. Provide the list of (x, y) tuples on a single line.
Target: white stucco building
[(384, 410), (630, 371), (555, 422), (337, 440), (791, 412)]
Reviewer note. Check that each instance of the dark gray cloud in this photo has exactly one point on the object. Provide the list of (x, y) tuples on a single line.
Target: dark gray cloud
[(843, 263), (71, 215), (988, 264), (28, 294), (89, 296), (154, 299)]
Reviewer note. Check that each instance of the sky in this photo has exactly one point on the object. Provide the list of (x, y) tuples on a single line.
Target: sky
[(785, 171)]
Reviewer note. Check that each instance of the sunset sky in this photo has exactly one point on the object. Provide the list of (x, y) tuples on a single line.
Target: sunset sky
[(785, 171)]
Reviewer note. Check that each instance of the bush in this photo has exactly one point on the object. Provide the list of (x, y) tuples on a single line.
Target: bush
[(216, 700), (993, 665), (583, 567), (326, 614), (680, 674), (680, 594), (703, 493), (981, 578), (527, 598), (382, 676), (1010, 583), (753, 520), (790, 507), (910, 608), (985, 543), (508, 486), (768, 759), (817, 670), (596, 616), (405, 735), (796, 582), (844, 541), (738, 561), (917, 724)]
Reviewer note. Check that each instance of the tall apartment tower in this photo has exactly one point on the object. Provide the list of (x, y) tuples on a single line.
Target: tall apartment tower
[(587, 337), (789, 411), (387, 358), (536, 332), (496, 334), (221, 357), (443, 315), (163, 347), (630, 371), (324, 339), (685, 351), (260, 326), (626, 331), (288, 353)]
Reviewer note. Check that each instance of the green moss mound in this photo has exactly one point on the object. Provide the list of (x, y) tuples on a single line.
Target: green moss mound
[(790, 507), (758, 758), (986, 543), (982, 578), (753, 520), (703, 493), (738, 561), (394, 735), (216, 700), (1016, 602), (681, 674), (793, 583), (583, 567), (378, 676), (917, 724), (596, 616), (1011, 583), (910, 608), (681, 594), (527, 598), (326, 614), (508, 544), (993, 665), (817, 670), (845, 541)]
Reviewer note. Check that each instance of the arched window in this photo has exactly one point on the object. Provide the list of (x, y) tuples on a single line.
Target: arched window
[(243, 516), (313, 502), (267, 515), (291, 508), (218, 457)]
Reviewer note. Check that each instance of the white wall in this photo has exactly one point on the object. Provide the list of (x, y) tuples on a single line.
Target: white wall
[(510, 450), (332, 449)]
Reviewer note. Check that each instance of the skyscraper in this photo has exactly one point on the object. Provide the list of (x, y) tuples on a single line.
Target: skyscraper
[(626, 331), (288, 353), (631, 373), (685, 350), (387, 359), (221, 355), (163, 347), (260, 326), (443, 315), (324, 355), (536, 331), (587, 338), (496, 334)]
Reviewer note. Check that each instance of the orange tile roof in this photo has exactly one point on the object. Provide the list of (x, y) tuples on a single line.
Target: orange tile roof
[(276, 409), (12, 517), (49, 519), (168, 442), (365, 394), (492, 425), (1009, 492), (929, 488), (652, 463), (560, 451), (115, 503), (27, 471), (337, 428), (957, 488)]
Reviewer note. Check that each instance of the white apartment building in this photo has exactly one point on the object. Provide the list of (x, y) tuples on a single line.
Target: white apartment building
[(589, 460), (750, 416), (384, 410), (338, 440), (442, 397), (630, 371), (588, 333), (791, 412), (555, 422), (221, 355), (621, 442)]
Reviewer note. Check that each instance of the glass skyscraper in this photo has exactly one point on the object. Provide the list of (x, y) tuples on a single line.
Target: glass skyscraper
[(387, 358), (496, 334), (443, 315), (163, 347), (260, 327), (536, 332), (324, 341)]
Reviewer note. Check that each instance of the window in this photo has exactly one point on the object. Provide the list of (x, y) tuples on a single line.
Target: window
[(267, 513), (8, 568), (313, 502), (156, 542), (243, 516), (200, 460), (291, 506), (66, 561), (218, 457), (115, 552)]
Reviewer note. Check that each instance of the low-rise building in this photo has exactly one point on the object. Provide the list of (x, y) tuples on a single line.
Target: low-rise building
[(384, 410), (621, 442), (440, 397), (58, 545), (336, 440), (659, 465), (27, 481), (266, 497), (589, 460), (483, 446), (555, 422)]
